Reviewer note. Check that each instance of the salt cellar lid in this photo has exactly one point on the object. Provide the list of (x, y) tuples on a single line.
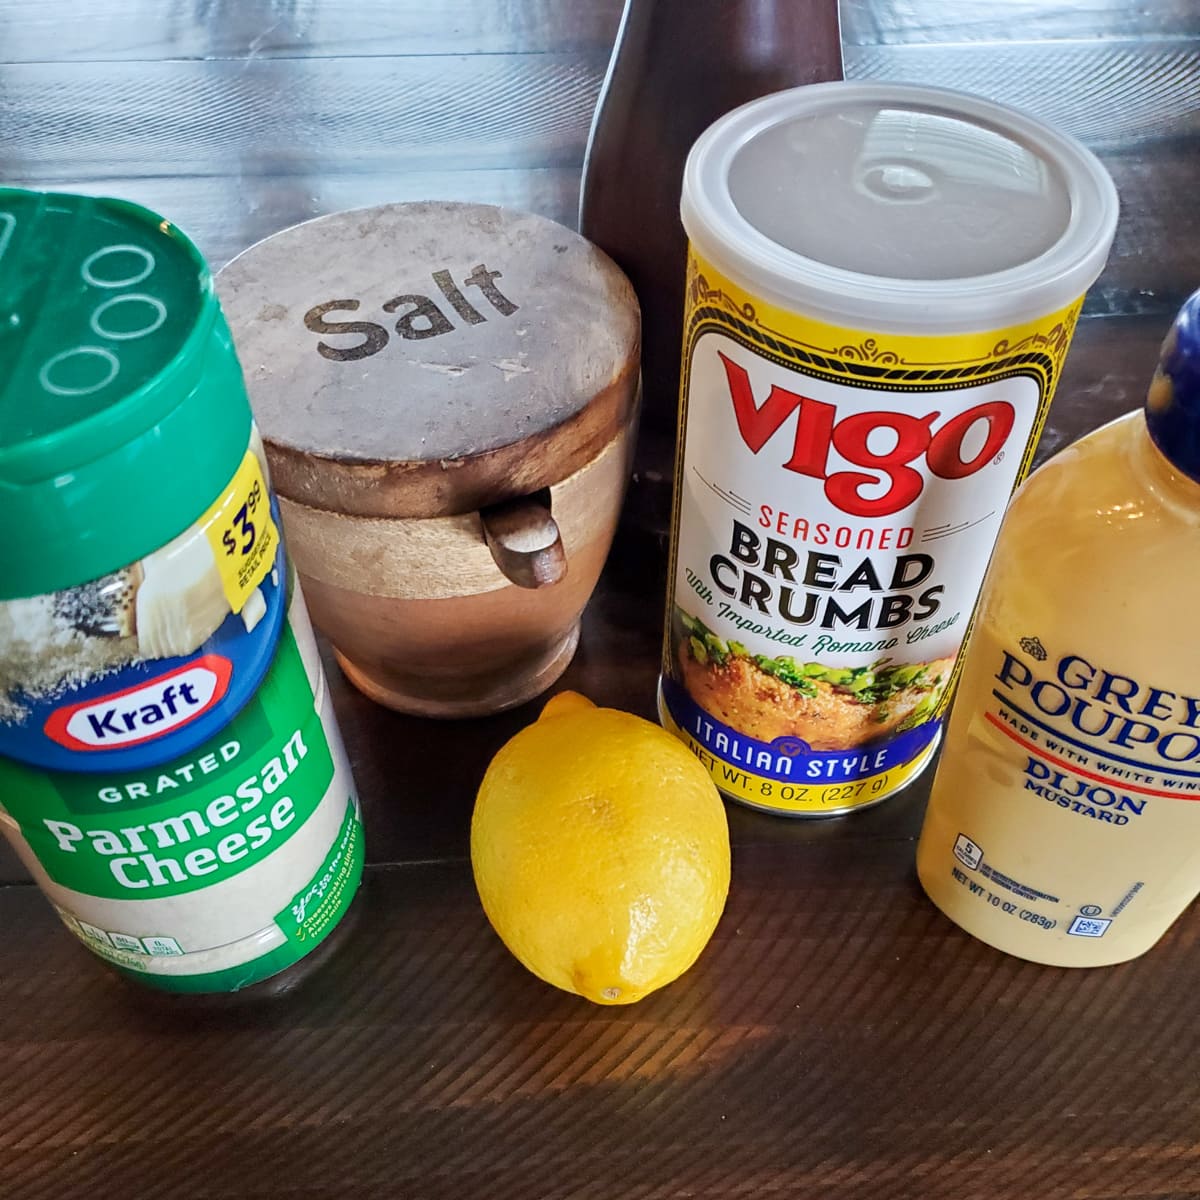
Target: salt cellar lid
[(417, 360)]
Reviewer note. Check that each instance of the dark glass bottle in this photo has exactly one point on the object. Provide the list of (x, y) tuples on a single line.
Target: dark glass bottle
[(677, 66)]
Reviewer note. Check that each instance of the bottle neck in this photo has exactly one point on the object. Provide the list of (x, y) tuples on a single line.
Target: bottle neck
[(1161, 477)]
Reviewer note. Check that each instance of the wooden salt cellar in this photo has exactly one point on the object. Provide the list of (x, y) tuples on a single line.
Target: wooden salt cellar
[(448, 396)]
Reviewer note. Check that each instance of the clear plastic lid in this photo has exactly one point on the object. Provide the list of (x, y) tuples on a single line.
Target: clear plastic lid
[(891, 206)]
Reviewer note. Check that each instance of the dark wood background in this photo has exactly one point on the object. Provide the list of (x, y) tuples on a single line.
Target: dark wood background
[(839, 1037)]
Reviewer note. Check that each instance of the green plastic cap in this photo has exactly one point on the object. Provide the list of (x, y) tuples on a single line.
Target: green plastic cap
[(123, 412)]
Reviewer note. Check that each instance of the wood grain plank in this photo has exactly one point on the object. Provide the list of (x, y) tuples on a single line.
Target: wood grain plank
[(837, 1038), (294, 116), (1105, 92), (142, 29), (117, 30), (12, 870), (874, 22), (83, 120), (1155, 260)]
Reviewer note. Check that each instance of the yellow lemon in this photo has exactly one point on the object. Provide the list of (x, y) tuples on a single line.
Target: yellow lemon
[(600, 850)]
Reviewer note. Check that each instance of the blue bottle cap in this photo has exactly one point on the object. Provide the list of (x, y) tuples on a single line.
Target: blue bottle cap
[(1173, 402)]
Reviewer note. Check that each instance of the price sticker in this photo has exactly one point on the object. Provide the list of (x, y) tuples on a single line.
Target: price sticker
[(242, 533)]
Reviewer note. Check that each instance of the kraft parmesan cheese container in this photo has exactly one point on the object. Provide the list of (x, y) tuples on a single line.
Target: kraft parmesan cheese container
[(170, 767), (883, 281)]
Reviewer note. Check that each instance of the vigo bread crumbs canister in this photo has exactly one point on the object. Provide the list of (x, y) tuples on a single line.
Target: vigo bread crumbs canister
[(882, 285)]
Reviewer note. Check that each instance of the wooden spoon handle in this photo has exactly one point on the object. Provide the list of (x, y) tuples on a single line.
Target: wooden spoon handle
[(525, 542)]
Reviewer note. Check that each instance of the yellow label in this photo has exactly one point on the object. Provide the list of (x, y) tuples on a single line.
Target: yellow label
[(241, 532), (838, 492)]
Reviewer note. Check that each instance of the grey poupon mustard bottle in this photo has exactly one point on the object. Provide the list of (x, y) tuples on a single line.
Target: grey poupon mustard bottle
[(170, 767), (1064, 821)]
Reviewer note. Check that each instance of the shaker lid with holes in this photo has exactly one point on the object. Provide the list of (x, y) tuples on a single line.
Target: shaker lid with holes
[(424, 359), (122, 407)]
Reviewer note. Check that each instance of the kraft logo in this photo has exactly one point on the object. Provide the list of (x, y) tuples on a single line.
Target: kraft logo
[(145, 711), (818, 430)]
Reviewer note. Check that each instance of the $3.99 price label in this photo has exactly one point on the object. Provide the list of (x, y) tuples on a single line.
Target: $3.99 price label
[(242, 533)]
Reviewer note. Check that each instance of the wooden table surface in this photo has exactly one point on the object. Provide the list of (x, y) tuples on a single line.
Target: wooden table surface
[(839, 1037)]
